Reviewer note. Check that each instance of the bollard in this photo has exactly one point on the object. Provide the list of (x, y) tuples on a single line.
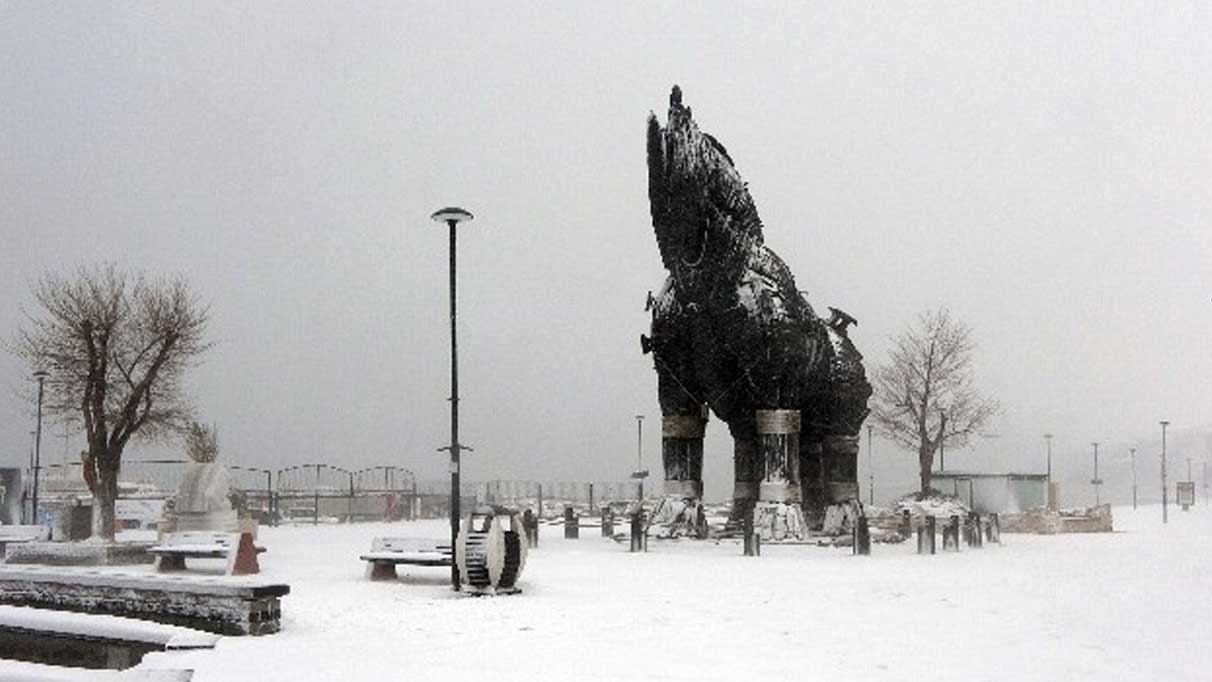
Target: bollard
[(530, 525), (862, 536), (572, 526), (906, 528), (751, 539), (925, 536), (951, 534), (607, 522), (637, 532)]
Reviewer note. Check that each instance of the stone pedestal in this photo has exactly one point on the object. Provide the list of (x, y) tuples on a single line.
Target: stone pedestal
[(679, 512), (777, 514)]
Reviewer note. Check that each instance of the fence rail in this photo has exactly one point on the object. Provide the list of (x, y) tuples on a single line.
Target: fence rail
[(323, 492)]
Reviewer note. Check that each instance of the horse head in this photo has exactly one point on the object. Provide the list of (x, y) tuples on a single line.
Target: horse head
[(704, 218)]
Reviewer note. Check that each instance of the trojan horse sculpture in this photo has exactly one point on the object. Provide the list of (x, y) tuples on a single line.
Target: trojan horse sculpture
[(731, 334)]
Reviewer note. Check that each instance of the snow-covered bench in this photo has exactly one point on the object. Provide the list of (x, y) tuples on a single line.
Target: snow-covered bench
[(221, 604), (18, 534), (238, 549), (90, 640), (20, 671), (385, 553)]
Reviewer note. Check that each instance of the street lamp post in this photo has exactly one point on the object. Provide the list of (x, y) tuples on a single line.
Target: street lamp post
[(1096, 481), (870, 470), (1165, 496), (40, 375), (452, 216), (1205, 484), (942, 441), (1048, 440), (1133, 478), (639, 474)]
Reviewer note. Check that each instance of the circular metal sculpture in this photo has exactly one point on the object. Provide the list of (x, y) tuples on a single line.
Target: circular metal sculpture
[(733, 335), (491, 551)]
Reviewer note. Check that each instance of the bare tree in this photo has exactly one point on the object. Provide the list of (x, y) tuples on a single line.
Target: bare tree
[(924, 395), (117, 346)]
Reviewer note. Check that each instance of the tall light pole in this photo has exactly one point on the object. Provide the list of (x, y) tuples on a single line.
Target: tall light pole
[(1133, 478), (870, 469), (1048, 440), (1165, 496), (942, 441), (452, 216), (40, 375), (1205, 484), (1096, 481), (639, 474)]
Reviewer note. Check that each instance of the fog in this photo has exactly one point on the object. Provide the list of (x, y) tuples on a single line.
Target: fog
[(1043, 172)]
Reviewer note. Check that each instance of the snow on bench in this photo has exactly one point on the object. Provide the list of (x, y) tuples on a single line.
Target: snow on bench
[(102, 627), (13, 534), (20, 671), (385, 553), (171, 554), (87, 640), (219, 604)]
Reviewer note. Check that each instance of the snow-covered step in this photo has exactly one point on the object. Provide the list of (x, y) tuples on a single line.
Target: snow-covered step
[(20, 671)]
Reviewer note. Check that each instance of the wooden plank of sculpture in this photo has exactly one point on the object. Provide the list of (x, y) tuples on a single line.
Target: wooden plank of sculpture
[(778, 514)]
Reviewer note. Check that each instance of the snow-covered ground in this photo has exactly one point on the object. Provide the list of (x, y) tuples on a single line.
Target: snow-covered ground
[(1133, 605)]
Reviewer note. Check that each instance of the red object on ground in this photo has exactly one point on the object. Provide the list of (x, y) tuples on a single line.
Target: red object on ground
[(246, 557)]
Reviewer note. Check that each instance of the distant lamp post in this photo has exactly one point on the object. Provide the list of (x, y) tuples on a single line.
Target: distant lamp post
[(40, 375), (1165, 497), (1096, 481), (1133, 478), (1189, 482), (870, 470), (640, 472), (452, 216), (1048, 440), (942, 441)]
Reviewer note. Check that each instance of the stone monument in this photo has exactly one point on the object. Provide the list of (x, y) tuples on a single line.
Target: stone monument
[(733, 335)]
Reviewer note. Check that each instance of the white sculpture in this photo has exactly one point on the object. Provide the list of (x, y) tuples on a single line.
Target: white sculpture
[(203, 497)]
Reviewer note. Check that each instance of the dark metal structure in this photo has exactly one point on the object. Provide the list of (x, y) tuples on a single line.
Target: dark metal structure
[(452, 216), (733, 335)]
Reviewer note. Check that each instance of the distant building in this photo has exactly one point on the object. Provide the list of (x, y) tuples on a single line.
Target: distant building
[(994, 493)]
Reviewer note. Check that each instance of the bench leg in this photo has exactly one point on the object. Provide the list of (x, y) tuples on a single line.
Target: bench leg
[(166, 563), (381, 570)]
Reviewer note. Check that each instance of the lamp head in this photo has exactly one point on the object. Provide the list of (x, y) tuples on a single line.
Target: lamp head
[(41, 374), (451, 214)]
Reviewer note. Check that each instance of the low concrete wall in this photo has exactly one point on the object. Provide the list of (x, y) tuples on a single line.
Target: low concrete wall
[(1045, 522)]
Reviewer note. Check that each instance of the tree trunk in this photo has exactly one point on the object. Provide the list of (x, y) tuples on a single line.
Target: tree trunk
[(105, 496), (925, 460)]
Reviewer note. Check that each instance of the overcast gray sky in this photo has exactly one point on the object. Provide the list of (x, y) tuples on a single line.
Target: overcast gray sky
[(1045, 172)]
